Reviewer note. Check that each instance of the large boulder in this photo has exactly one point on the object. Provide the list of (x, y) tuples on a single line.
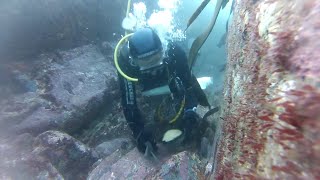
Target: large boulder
[(131, 166), (73, 92), (72, 87), (183, 165), (119, 144), (69, 156), (18, 162), (135, 165)]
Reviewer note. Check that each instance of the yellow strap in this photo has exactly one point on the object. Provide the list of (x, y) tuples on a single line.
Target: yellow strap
[(176, 116), (180, 111), (115, 57)]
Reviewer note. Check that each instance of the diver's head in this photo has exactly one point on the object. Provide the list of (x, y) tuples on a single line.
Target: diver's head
[(146, 48)]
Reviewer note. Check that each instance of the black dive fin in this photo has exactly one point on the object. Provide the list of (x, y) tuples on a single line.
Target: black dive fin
[(150, 151)]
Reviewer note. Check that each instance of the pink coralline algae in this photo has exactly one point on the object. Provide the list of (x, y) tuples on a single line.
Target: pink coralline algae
[(271, 117)]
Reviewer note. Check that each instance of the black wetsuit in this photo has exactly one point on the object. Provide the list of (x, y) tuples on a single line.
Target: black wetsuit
[(174, 72)]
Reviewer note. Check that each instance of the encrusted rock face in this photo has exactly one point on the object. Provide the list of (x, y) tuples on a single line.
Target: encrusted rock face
[(272, 94)]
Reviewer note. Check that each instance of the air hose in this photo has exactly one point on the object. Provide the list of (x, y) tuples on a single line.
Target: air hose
[(116, 51), (115, 57)]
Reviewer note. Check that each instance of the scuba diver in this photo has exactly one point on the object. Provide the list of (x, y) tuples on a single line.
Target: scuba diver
[(157, 70)]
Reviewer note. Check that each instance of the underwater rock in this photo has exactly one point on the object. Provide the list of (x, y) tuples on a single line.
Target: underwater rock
[(18, 162), (79, 87), (134, 165), (183, 165), (271, 116), (17, 109), (107, 148), (72, 87), (103, 166), (69, 156), (30, 169)]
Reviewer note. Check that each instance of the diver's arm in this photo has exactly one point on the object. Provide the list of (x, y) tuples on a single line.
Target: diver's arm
[(133, 115), (182, 73), (179, 68), (129, 105), (128, 95), (131, 111), (194, 93)]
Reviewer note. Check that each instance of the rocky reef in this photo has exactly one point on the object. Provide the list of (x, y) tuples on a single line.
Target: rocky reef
[(60, 115), (70, 89), (61, 118)]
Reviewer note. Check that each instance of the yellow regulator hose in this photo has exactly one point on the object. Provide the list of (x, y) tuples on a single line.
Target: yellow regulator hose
[(115, 57)]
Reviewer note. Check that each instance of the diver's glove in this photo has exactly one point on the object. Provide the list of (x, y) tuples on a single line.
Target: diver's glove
[(176, 87), (146, 139), (190, 123)]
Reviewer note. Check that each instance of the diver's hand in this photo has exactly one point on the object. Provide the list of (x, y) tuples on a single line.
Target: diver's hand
[(190, 118), (146, 139), (150, 151), (190, 123)]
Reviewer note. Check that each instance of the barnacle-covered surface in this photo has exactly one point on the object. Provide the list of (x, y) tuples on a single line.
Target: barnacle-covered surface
[(271, 110)]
